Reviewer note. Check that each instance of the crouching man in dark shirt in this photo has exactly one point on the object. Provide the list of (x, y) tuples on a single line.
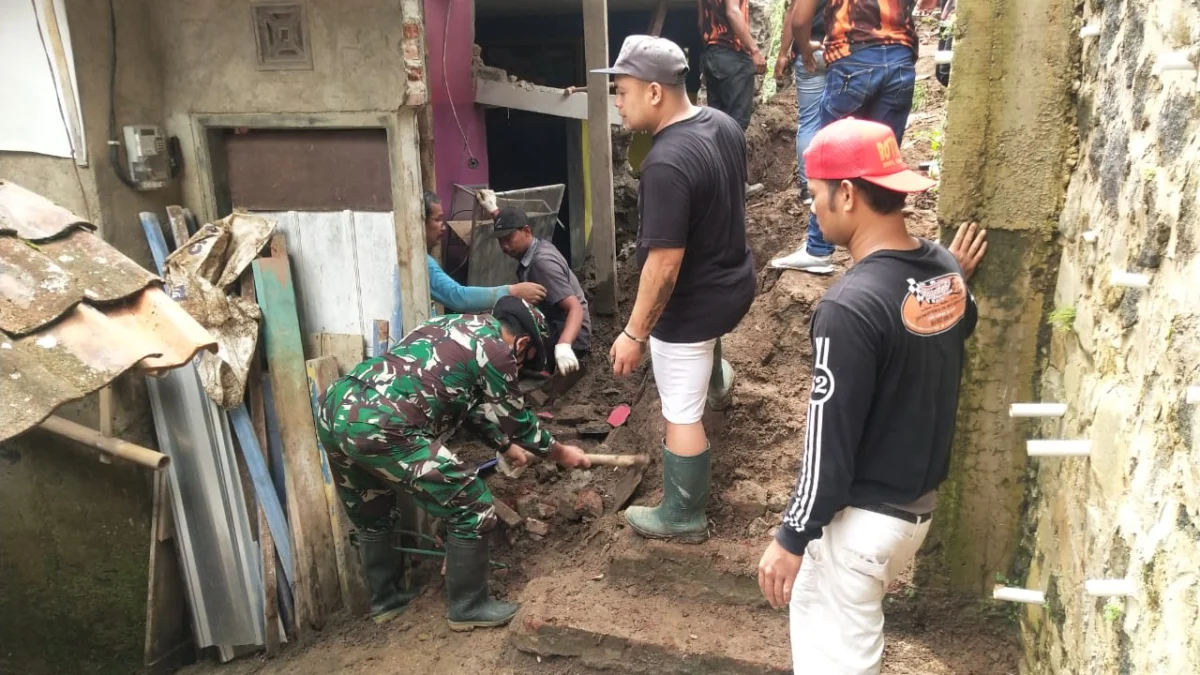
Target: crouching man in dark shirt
[(888, 342)]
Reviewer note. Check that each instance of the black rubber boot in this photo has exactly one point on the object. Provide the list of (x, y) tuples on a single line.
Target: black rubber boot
[(383, 567), (468, 603)]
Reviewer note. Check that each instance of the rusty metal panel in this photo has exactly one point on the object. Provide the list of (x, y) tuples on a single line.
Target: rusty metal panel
[(40, 282), (309, 170), (86, 350), (75, 313), (31, 216)]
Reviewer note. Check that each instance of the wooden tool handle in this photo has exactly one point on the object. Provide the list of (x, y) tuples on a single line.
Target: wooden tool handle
[(619, 460)]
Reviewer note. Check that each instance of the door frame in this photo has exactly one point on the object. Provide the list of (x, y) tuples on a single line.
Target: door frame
[(404, 154)]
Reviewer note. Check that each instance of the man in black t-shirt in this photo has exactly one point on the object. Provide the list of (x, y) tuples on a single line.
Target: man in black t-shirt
[(697, 279), (888, 348)]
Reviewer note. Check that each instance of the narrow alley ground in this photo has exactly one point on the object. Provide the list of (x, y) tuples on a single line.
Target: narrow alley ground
[(657, 606)]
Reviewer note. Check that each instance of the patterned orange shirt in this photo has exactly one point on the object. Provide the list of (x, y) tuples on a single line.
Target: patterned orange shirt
[(717, 30), (853, 24)]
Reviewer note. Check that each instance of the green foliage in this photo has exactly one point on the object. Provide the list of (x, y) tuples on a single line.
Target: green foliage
[(1062, 319)]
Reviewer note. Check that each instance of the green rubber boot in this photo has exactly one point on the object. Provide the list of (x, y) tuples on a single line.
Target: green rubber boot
[(720, 382), (383, 567), (468, 603), (680, 516)]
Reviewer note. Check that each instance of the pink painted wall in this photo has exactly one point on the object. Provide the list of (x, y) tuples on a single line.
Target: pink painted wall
[(454, 82)]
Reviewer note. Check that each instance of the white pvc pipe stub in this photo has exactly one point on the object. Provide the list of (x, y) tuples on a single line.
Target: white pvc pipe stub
[(1130, 280), (1174, 61), (1058, 448), (1193, 395), (1090, 236), (1037, 410), (1108, 588), (943, 56), (1089, 31), (1027, 595)]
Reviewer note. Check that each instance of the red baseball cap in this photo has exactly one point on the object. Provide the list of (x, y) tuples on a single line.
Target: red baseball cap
[(852, 148)]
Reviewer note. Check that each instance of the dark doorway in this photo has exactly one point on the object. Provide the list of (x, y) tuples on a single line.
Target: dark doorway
[(525, 150)]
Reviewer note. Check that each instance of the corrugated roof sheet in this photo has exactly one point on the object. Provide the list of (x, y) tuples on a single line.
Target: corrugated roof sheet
[(74, 312)]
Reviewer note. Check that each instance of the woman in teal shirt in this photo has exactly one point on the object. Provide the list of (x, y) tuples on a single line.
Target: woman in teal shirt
[(455, 297)]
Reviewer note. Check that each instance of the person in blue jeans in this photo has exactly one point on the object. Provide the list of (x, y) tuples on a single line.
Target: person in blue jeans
[(870, 50), (809, 87), (454, 296)]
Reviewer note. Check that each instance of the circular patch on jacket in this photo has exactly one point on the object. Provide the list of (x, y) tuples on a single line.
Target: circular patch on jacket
[(935, 305)]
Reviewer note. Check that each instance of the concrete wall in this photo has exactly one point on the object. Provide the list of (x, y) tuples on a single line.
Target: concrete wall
[(75, 532), (366, 57), (1121, 360), (1008, 137)]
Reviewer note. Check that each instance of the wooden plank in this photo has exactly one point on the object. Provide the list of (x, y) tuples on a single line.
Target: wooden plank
[(346, 348), (656, 21), (323, 372), (168, 639), (379, 341), (70, 107), (408, 223), (604, 242), (315, 582), (179, 226), (266, 543)]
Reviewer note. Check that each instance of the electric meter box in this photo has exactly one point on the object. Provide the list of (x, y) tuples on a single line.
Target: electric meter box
[(146, 154)]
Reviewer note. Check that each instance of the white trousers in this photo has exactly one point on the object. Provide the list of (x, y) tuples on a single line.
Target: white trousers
[(681, 373), (837, 600)]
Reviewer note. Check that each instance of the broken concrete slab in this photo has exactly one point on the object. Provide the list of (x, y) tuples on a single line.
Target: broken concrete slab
[(720, 571), (606, 628)]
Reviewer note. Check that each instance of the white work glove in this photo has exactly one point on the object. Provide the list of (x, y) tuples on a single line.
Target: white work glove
[(487, 199), (566, 359)]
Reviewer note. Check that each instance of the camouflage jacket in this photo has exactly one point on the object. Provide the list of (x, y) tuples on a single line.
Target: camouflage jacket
[(452, 371)]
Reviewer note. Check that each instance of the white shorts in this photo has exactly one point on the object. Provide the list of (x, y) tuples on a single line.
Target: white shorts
[(837, 600), (681, 373)]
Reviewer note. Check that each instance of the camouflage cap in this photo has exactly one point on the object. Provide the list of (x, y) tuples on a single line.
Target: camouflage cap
[(515, 311)]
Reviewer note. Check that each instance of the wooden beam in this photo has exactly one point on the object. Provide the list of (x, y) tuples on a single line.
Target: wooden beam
[(315, 579), (408, 219), (656, 21), (604, 242), (168, 640), (544, 100)]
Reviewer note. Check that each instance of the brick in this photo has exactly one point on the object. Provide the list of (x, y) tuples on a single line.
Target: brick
[(589, 504)]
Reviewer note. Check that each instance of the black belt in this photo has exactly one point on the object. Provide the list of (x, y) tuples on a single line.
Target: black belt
[(885, 510)]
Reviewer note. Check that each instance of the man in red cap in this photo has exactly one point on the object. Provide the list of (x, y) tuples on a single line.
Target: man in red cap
[(888, 342)]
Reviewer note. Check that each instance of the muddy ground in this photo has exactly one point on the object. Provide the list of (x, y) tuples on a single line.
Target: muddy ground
[(757, 445)]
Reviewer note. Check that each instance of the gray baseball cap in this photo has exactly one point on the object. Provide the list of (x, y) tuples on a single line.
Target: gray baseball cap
[(650, 59)]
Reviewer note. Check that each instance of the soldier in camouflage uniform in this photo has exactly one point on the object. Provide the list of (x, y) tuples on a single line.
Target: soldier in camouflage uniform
[(382, 425)]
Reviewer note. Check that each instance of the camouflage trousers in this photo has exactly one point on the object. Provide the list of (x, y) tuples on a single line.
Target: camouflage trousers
[(372, 452)]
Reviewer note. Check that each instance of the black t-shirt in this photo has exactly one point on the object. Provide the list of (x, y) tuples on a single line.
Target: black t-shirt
[(888, 342), (692, 196)]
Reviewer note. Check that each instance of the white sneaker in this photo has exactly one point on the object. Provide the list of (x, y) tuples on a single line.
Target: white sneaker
[(805, 262)]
